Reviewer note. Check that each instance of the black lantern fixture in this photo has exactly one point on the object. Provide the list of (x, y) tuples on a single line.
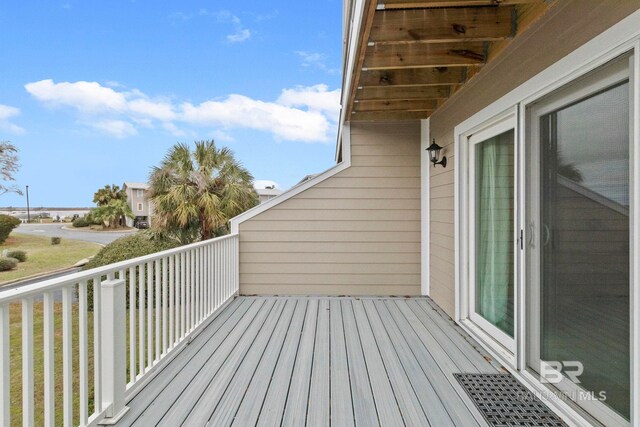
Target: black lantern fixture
[(434, 155)]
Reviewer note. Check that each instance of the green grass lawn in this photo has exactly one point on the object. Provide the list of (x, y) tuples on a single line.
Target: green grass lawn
[(42, 256)]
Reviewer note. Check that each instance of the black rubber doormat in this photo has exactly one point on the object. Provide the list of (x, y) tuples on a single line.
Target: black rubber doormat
[(504, 402)]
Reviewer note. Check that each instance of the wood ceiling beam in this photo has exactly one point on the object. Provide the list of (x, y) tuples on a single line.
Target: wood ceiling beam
[(414, 77), (369, 12), (386, 57), (382, 116), (406, 105), (442, 25), (402, 93), (427, 4)]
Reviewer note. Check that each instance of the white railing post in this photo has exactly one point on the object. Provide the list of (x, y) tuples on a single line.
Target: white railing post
[(114, 380), (236, 264)]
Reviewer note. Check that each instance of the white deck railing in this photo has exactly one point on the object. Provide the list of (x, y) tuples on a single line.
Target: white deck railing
[(119, 343)]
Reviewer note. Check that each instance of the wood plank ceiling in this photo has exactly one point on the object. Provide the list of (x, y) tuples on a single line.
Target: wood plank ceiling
[(414, 54)]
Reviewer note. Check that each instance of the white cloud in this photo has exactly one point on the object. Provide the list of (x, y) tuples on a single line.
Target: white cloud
[(316, 98), (85, 96), (238, 111), (162, 111), (307, 114), (6, 114), (118, 128), (240, 35), (317, 60), (264, 183), (174, 130)]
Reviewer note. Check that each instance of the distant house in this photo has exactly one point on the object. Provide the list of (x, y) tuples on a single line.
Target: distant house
[(267, 193), (137, 197)]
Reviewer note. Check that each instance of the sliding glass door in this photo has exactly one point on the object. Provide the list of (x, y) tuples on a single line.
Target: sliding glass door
[(579, 232), (491, 225)]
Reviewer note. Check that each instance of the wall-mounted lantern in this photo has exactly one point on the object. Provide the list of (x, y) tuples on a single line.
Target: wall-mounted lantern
[(434, 155)]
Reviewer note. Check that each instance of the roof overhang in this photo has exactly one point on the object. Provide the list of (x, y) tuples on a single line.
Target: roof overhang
[(405, 58)]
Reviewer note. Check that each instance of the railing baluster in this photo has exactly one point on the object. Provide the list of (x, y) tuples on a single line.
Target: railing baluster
[(217, 278), (49, 369), (83, 353), (196, 282), (27, 362), (198, 267), (208, 265), (225, 260), (67, 357), (149, 315), (132, 324), (172, 301), (141, 307), (189, 300), (183, 291), (164, 305), (5, 362), (157, 279)]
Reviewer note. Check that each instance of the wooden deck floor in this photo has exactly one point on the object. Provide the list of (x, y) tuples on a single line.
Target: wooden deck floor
[(317, 361)]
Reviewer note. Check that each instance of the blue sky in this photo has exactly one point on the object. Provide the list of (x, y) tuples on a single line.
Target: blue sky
[(95, 92)]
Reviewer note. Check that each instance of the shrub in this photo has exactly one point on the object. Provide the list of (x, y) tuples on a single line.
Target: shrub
[(21, 256), (7, 263), (7, 224), (125, 248), (56, 240), (81, 222)]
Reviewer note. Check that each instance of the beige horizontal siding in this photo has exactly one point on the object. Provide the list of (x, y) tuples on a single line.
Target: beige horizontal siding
[(568, 25), (355, 233)]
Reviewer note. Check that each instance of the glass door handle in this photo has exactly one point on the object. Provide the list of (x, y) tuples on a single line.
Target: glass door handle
[(546, 234), (531, 238)]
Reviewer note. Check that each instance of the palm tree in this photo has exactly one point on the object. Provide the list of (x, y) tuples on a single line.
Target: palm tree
[(112, 213), (106, 194), (195, 193)]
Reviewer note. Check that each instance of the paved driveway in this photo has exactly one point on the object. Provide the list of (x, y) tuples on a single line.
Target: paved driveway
[(51, 230)]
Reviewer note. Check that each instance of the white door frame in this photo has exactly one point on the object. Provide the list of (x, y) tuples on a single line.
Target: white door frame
[(501, 123), (565, 96), (620, 38), (425, 208)]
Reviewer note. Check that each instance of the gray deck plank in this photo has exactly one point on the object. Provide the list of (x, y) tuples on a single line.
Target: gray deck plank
[(295, 411), (431, 403), (364, 407), (318, 409), (261, 357), (256, 339), (448, 334), (448, 361), (459, 407), (272, 410), (161, 393), (341, 404), (295, 361), (185, 402), (408, 402), (249, 409), (385, 399)]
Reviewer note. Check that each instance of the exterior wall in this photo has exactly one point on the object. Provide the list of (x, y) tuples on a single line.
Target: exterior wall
[(568, 25), (355, 233), (132, 196)]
